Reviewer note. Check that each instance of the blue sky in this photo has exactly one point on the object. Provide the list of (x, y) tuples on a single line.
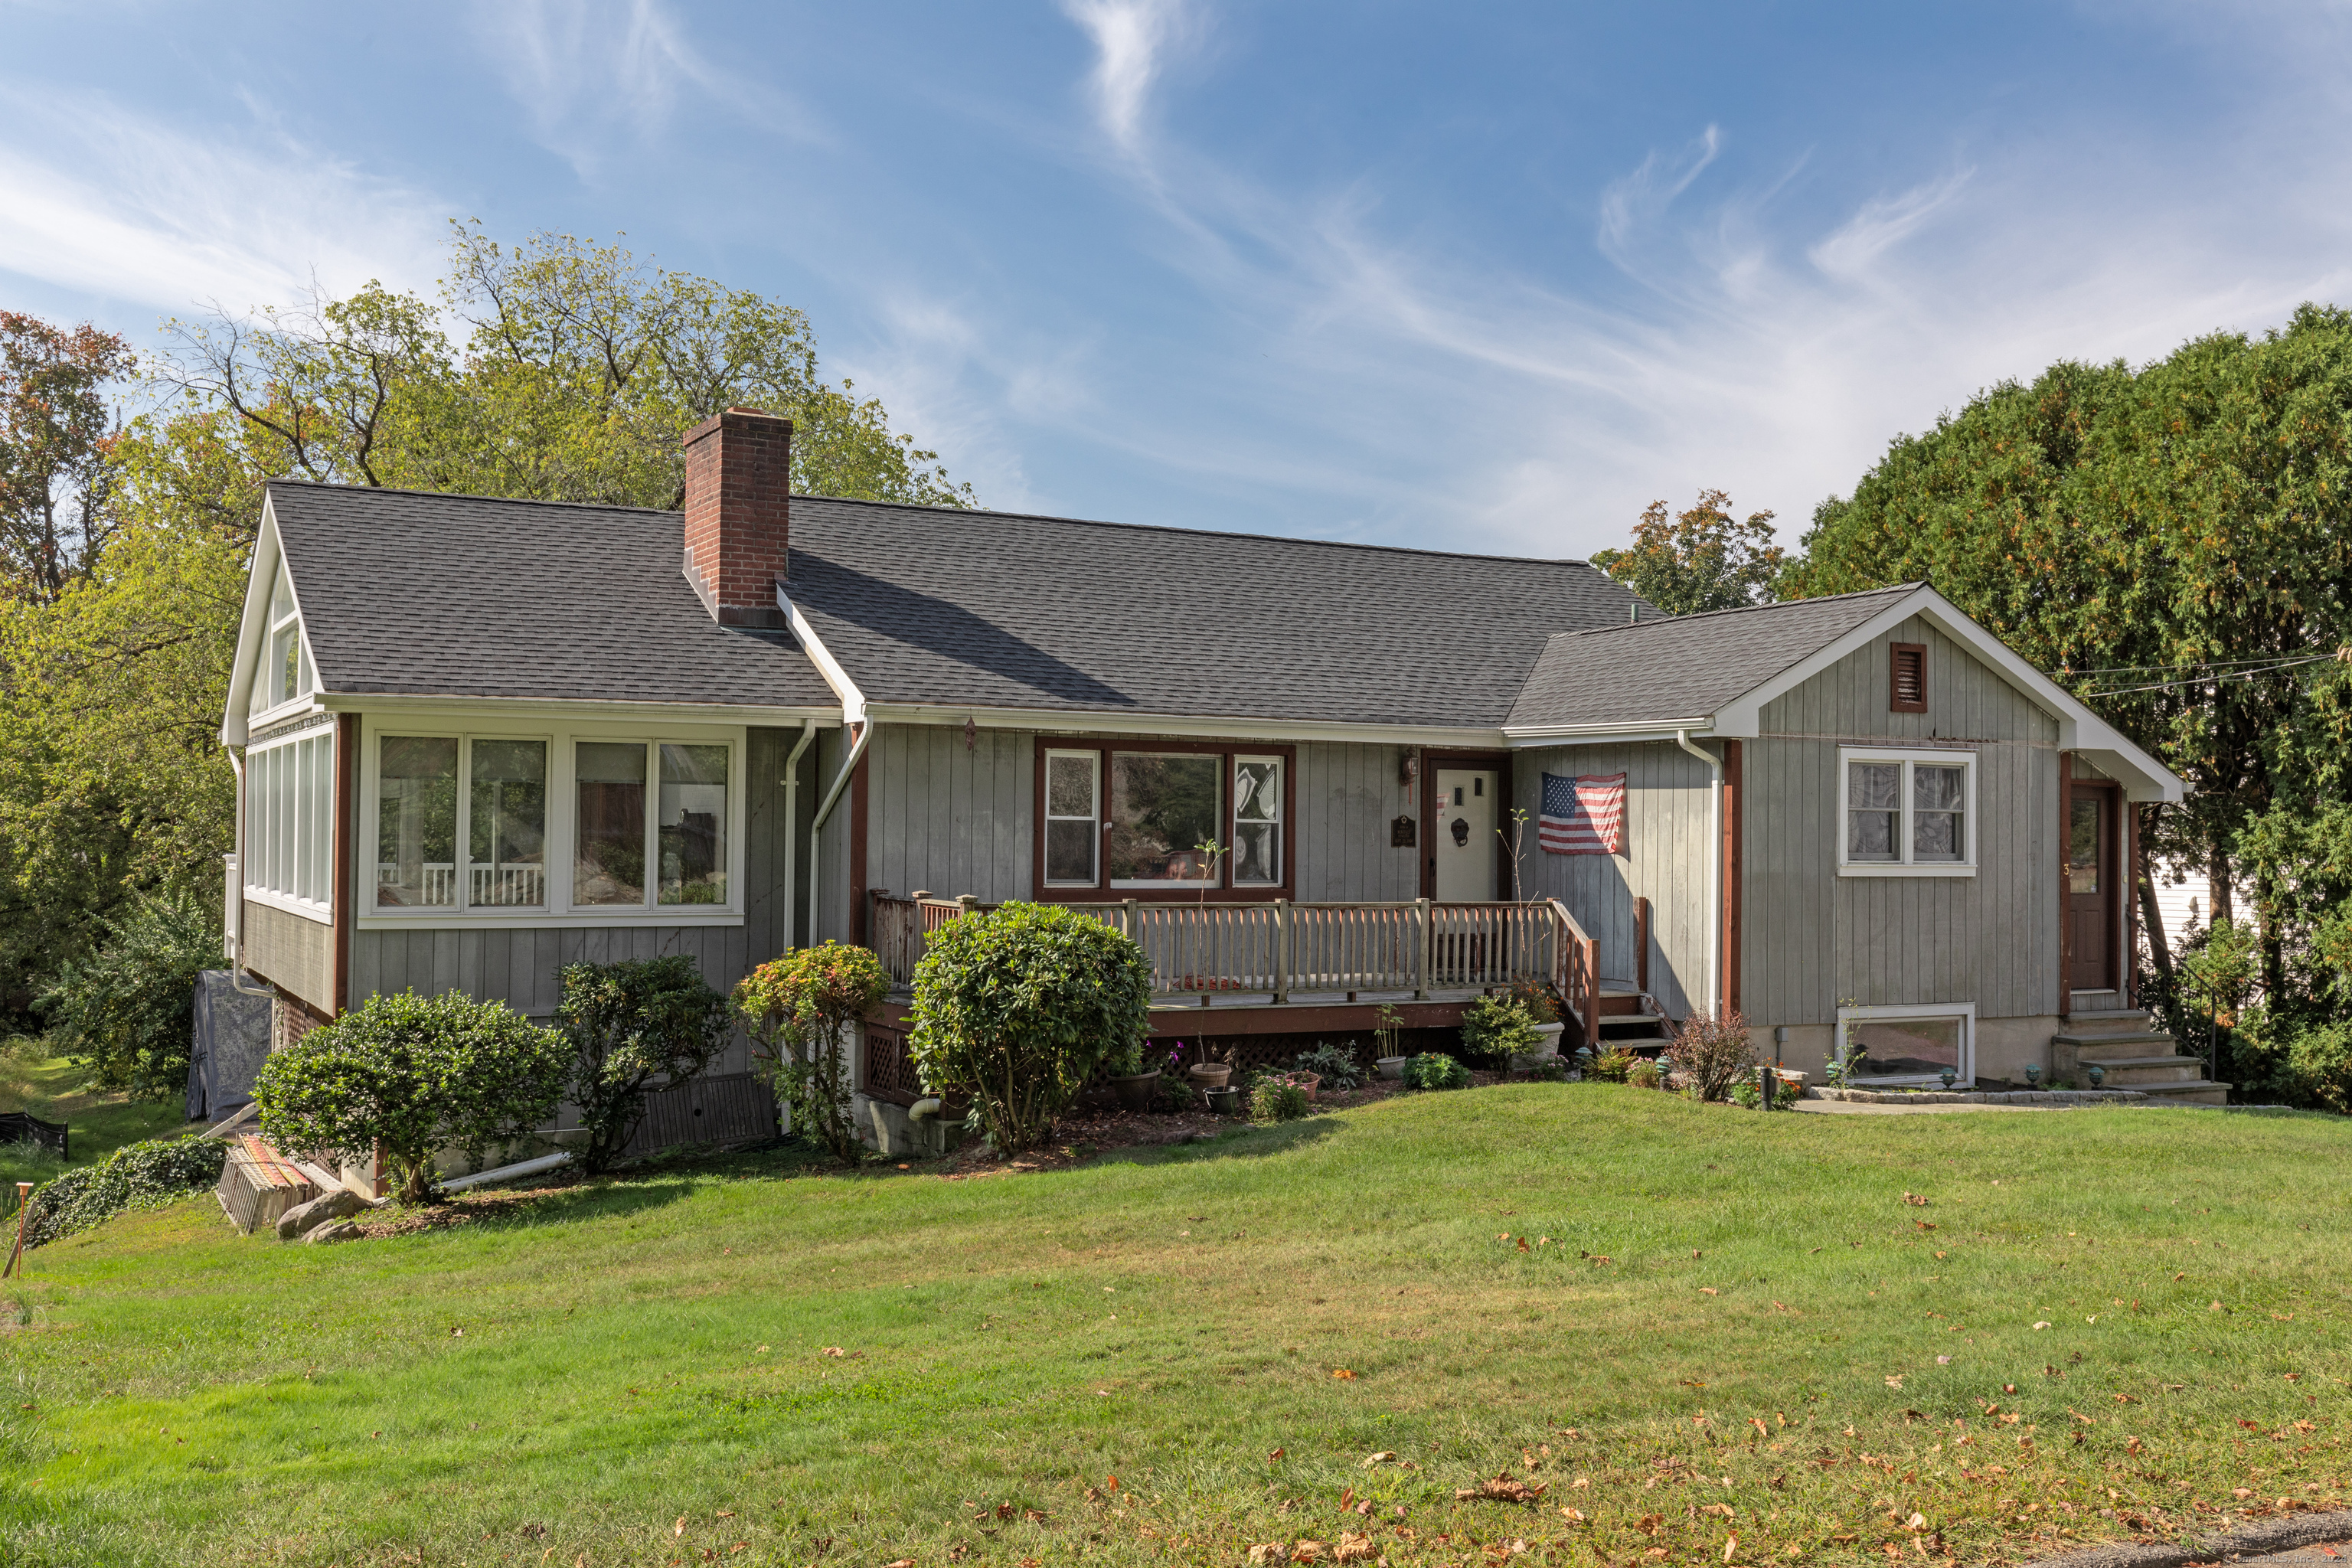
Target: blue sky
[(1481, 276)]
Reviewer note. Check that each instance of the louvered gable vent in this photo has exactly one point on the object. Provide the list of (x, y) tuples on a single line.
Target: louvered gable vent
[(1907, 684)]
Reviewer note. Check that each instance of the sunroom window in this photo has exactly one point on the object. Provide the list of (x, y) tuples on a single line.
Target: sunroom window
[(1907, 813), (649, 816), (424, 785), (290, 805)]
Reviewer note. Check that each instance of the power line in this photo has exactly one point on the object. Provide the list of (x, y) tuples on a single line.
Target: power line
[(2279, 668)]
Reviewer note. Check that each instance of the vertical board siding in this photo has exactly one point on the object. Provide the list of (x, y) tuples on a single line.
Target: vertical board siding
[(1345, 797), (296, 954), (1668, 849), (946, 820), (1814, 939)]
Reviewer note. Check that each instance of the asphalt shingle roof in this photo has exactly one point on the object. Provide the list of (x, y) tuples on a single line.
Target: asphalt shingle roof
[(1684, 666), (441, 595), (997, 609)]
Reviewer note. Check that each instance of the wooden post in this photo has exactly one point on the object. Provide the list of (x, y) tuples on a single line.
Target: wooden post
[(1592, 993), (1423, 915), (24, 1199), (1642, 945), (1281, 950), (966, 904)]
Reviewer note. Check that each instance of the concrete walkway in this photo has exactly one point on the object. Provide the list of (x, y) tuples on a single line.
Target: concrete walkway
[(1855, 1108)]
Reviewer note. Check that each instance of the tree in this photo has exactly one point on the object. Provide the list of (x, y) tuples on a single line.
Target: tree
[(2174, 544), (55, 420), (633, 1024), (800, 1009), (1016, 1007), (129, 1005), (411, 1076), (1699, 559)]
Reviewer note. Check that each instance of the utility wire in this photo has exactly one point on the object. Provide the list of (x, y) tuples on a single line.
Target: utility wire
[(2279, 669)]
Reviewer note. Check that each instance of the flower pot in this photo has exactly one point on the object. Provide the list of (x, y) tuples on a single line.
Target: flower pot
[(1208, 1074), (1223, 1101), (1551, 1034), (1529, 1061), (1136, 1091), (1308, 1081), (1393, 1067)]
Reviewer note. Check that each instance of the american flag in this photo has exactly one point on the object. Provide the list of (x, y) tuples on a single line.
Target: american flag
[(1583, 817)]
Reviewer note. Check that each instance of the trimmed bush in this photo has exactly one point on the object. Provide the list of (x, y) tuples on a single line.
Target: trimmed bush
[(1496, 1028), (1435, 1069), (630, 1024), (1274, 1098), (1015, 1008), (135, 1176), (799, 1008), (412, 1075), (1715, 1053)]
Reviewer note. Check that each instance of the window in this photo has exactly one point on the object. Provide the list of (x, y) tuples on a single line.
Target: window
[(1908, 1044), (1906, 677), (1907, 813), (1073, 823), (418, 828), (290, 821), (285, 674), (652, 819), (1166, 818)]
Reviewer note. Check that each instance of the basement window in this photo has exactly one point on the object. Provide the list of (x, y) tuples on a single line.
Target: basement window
[(1907, 1044)]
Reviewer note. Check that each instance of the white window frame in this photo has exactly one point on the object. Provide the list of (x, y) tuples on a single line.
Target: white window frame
[(1943, 757), (1098, 764), (1965, 1012), (562, 808), (264, 673), (1233, 817), (305, 832)]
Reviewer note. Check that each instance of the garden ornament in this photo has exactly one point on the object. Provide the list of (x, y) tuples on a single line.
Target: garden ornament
[(2097, 1074), (2032, 1073), (1947, 1075)]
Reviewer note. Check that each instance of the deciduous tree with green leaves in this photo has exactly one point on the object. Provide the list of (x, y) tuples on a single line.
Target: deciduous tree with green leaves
[(1699, 559)]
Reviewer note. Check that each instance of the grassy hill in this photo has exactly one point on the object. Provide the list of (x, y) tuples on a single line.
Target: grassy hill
[(2100, 1324), (54, 1089)]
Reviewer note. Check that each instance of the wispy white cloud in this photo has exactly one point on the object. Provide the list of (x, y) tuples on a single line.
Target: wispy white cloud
[(1133, 39), (98, 198), (1760, 338), (595, 76)]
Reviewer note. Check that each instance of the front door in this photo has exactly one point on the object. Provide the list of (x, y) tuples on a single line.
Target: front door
[(2091, 890), (1466, 844)]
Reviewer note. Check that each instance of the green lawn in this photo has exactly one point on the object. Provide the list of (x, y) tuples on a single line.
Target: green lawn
[(100, 1121), (1723, 1322)]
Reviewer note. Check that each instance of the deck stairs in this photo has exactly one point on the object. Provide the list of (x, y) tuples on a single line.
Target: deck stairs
[(2131, 1051), (1631, 1020)]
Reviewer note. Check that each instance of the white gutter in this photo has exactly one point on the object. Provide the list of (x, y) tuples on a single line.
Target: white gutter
[(865, 733), (1713, 871), (792, 824), (853, 714), (1137, 721)]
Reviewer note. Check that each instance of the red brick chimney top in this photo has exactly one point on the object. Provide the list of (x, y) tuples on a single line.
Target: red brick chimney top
[(738, 514)]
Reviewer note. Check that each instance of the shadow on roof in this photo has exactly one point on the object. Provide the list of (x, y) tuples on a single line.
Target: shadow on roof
[(942, 627)]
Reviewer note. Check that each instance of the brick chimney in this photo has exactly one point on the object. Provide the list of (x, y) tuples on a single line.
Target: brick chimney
[(738, 514)]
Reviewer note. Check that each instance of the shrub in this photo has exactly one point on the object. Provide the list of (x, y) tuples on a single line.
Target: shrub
[(1435, 1069), (1335, 1065), (1274, 1098), (128, 1007), (1643, 1073), (799, 1008), (412, 1075), (630, 1024), (2319, 1060), (1714, 1053), (1016, 1007), (135, 1176), (1541, 1001), (1612, 1065), (1747, 1095), (1494, 1028)]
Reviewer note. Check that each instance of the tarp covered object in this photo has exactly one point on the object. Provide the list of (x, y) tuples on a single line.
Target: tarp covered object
[(232, 1038)]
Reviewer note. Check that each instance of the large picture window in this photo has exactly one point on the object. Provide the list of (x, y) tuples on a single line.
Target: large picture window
[(289, 823), (1125, 821), (1906, 813)]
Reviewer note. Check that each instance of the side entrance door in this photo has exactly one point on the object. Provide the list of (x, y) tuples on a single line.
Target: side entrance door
[(2091, 889), (1463, 845)]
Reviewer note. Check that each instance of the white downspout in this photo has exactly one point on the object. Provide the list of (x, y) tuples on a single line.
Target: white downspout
[(1714, 870), (793, 825), (824, 810)]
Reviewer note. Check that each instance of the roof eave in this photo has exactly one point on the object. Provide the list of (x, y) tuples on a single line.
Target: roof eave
[(1121, 722)]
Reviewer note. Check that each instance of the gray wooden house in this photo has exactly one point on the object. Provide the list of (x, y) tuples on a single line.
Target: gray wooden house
[(480, 738)]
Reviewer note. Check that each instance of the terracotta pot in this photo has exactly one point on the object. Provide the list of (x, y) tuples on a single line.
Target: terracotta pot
[(1136, 1090), (1308, 1081)]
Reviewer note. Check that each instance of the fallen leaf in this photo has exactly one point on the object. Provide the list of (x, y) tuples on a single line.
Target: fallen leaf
[(833, 1349), (1709, 1290), (1729, 1547), (1352, 1548), (1343, 1372), (1306, 1551), (679, 1528), (1914, 1200), (1273, 1454), (1574, 1515), (2041, 1325), (1502, 1488), (1383, 1458)]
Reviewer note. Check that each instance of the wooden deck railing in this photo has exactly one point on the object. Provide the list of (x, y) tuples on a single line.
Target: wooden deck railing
[(1280, 948)]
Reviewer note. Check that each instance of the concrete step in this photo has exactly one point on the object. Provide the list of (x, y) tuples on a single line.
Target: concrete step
[(2101, 1022), (2103, 1048), (2141, 1072), (2201, 1092)]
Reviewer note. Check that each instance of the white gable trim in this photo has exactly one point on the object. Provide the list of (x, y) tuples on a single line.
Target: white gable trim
[(2079, 729), (252, 637)]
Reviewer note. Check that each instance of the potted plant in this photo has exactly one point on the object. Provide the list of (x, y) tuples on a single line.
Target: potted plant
[(1207, 1075), (1138, 1086), (1542, 1004)]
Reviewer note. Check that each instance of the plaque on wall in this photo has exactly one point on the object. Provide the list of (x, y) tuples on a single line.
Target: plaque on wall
[(1403, 833)]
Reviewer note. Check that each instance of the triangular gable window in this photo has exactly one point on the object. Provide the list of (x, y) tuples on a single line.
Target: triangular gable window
[(285, 674)]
